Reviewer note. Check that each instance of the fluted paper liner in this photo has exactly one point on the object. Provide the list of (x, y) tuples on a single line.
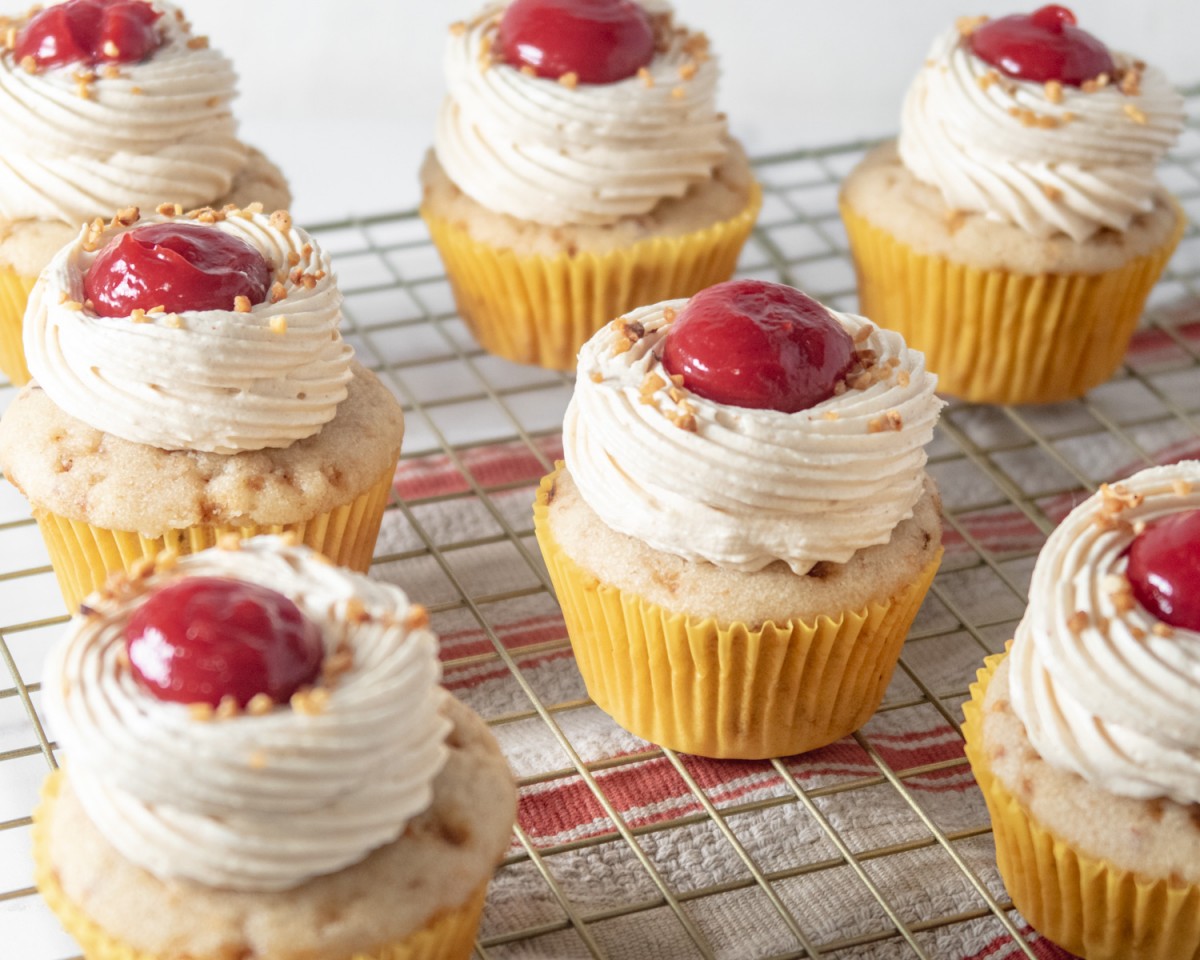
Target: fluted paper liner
[(14, 294), (83, 556), (1085, 904), (733, 690), (542, 309), (993, 336), (448, 935)]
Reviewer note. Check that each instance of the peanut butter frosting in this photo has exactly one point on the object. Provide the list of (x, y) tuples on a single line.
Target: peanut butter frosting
[(261, 801), (75, 141), (739, 487), (1049, 158), (214, 381), (1104, 688), (541, 150)]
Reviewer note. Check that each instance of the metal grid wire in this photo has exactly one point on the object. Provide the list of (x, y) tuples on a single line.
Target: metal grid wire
[(1024, 463)]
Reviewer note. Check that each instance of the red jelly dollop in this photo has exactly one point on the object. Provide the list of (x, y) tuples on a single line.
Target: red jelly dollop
[(600, 41), (205, 638), (1040, 46), (178, 266), (749, 343), (90, 31), (1164, 569)]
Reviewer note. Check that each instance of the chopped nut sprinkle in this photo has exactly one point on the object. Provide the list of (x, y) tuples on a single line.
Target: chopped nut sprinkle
[(669, 314), (1162, 630), (570, 79), (1078, 622), (646, 77), (73, 305), (169, 210), (141, 568), (597, 376), (903, 378), (259, 705), (197, 43), (136, 91), (139, 315), (281, 220), (954, 219), (126, 217), (1052, 192), (1135, 114), (279, 325), (984, 80), (968, 25), (688, 70), (830, 415), (241, 304), (253, 208), (1098, 82), (1054, 91), (111, 49), (201, 712), (650, 386), (416, 618), (337, 663), (10, 38), (29, 65), (355, 612), (278, 292), (1137, 632), (111, 72), (257, 760), (1130, 83), (228, 708), (174, 321), (1181, 487), (678, 93), (863, 335), (311, 701), (528, 70), (458, 28)]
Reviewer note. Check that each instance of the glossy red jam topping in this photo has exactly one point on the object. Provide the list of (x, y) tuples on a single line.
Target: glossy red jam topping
[(1164, 569), (90, 31), (1040, 46), (600, 41), (749, 343), (205, 638), (178, 266)]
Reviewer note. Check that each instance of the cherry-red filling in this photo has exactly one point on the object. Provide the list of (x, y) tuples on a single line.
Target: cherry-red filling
[(202, 639), (749, 343), (1164, 569), (90, 31), (600, 41), (177, 266), (1041, 46)]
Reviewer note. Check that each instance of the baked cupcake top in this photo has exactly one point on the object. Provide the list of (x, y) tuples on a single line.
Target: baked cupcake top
[(101, 131), (261, 364), (1106, 661), (254, 793), (556, 150), (1001, 122), (737, 486)]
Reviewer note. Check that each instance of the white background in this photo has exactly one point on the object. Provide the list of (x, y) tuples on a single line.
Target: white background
[(343, 93)]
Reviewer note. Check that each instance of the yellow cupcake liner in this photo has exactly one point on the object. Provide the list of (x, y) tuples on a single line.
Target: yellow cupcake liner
[(83, 556), (14, 294), (542, 309), (993, 336), (728, 691), (1084, 904), (449, 934)]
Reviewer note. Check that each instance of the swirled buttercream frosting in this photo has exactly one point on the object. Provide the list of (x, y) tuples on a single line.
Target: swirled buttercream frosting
[(556, 154), (213, 380), (1106, 690), (738, 487), (75, 141), (255, 801), (1050, 158)]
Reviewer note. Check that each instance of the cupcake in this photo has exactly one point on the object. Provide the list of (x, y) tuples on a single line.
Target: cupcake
[(580, 169), (1015, 230), (1085, 738), (106, 104), (743, 529), (192, 382), (259, 762)]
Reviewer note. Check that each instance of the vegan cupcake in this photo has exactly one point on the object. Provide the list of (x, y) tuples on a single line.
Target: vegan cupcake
[(191, 383), (106, 104), (1085, 738), (259, 761), (1015, 230), (743, 529), (580, 169)]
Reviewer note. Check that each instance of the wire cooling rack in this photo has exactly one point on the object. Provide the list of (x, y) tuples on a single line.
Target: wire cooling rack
[(774, 858)]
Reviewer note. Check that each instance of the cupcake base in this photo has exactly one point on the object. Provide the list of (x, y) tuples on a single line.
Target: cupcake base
[(1001, 317), (532, 294), (727, 687), (1087, 904), (85, 556), (419, 898)]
